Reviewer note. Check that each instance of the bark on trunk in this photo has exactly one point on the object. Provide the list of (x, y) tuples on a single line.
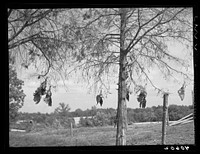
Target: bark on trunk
[(122, 109), (165, 111)]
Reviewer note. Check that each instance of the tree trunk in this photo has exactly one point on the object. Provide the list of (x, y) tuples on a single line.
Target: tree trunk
[(122, 109), (165, 111)]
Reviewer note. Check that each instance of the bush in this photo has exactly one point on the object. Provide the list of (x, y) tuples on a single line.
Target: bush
[(100, 119), (86, 122), (176, 112)]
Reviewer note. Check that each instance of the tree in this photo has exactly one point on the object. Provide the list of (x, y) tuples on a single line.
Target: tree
[(176, 112), (134, 41), (93, 110), (118, 43), (16, 94), (131, 115), (159, 113), (62, 110), (34, 39), (62, 114), (78, 112)]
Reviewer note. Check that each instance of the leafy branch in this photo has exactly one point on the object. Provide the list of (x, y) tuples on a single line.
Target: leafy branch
[(49, 63)]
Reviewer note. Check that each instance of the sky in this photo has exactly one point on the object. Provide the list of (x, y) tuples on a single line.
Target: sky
[(78, 97)]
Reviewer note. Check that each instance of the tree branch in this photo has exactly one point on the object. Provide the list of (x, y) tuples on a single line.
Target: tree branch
[(104, 15), (49, 63), (40, 17), (131, 13), (22, 41), (20, 30), (166, 65), (131, 44), (27, 24), (162, 23), (141, 68)]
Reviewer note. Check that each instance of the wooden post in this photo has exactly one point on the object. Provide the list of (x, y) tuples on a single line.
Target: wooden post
[(167, 116), (71, 128), (165, 111), (29, 126)]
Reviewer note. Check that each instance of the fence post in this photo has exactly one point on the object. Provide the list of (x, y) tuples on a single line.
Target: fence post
[(30, 125), (71, 128), (165, 111), (167, 117)]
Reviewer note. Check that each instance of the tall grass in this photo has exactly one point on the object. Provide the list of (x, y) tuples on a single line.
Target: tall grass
[(147, 134)]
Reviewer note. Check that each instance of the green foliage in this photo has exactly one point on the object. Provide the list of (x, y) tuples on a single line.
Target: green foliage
[(62, 110), (158, 113), (176, 112), (101, 117), (86, 122), (62, 115), (16, 94), (77, 113)]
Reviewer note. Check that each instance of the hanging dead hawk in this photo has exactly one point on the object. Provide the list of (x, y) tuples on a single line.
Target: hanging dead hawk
[(142, 99), (48, 99), (99, 99), (181, 92), (41, 90), (127, 95)]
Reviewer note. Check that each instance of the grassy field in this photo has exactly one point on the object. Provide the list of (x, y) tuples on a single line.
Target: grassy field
[(144, 134)]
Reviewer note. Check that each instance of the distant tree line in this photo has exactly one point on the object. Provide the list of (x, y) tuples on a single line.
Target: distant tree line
[(102, 117)]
